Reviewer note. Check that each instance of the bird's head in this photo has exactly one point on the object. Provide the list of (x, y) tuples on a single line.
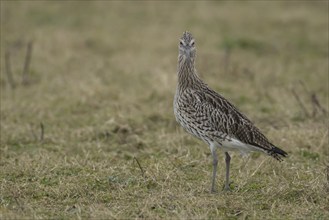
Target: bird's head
[(186, 46)]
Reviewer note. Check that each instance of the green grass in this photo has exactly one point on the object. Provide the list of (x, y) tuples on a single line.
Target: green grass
[(102, 81)]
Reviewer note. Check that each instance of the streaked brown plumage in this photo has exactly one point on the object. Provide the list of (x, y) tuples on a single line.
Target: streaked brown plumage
[(210, 117)]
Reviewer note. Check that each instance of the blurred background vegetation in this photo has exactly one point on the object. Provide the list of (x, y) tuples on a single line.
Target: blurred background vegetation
[(94, 96)]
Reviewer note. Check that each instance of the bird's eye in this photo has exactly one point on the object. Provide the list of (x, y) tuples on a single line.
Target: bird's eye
[(192, 44), (180, 43)]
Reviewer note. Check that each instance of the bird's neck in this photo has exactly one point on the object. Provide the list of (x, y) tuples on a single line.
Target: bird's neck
[(187, 75)]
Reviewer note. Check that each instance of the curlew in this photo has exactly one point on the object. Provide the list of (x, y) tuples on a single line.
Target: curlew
[(210, 117)]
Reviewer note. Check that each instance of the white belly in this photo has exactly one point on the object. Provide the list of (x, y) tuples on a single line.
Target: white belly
[(236, 145)]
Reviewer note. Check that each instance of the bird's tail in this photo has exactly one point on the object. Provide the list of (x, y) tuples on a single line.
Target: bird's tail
[(277, 153)]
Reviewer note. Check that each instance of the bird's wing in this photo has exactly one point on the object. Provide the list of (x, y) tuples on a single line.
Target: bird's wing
[(226, 118)]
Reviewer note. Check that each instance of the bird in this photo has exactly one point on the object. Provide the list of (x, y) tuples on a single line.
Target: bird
[(208, 116)]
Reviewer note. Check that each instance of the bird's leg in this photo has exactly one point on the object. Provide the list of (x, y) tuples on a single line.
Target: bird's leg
[(227, 182), (214, 163)]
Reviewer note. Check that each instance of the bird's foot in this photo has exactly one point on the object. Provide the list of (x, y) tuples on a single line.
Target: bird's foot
[(227, 188)]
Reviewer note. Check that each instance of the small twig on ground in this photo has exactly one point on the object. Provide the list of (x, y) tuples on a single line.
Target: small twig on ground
[(140, 167), (300, 103), (255, 171), (315, 101), (25, 80), (8, 70), (42, 131)]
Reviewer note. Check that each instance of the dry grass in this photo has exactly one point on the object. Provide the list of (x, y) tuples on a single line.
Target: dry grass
[(102, 81)]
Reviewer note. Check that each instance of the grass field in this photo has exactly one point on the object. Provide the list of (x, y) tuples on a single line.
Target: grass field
[(101, 82)]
